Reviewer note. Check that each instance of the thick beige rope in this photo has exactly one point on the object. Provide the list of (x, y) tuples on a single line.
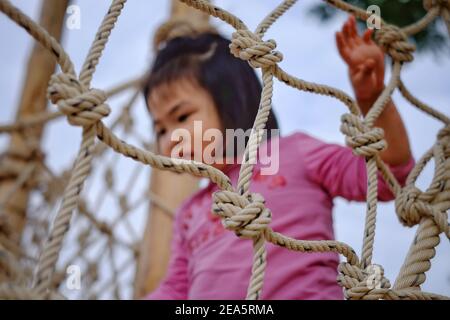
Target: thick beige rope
[(250, 47), (241, 211), (85, 107), (273, 17)]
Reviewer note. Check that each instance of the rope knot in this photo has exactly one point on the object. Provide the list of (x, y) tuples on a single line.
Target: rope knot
[(247, 216), (369, 283), (442, 4), (444, 133), (411, 207), (395, 42), (365, 141), (83, 107), (249, 47)]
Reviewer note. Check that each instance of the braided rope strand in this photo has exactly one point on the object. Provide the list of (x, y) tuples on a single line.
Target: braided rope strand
[(241, 211)]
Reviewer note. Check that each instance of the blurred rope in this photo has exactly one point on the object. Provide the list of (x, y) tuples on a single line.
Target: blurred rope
[(241, 211)]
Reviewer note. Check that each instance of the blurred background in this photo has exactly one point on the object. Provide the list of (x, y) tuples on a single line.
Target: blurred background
[(118, 186)]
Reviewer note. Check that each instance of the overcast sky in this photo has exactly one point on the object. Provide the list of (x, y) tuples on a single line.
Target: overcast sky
[(309, 53)]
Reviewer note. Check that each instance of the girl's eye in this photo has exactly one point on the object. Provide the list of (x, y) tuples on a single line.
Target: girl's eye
[(183, 117), (161, 132)]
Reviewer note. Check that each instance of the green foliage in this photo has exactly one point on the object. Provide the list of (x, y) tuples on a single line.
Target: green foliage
[(401, 13)]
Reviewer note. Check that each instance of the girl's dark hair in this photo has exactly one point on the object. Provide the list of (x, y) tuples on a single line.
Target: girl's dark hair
[(232, 83)]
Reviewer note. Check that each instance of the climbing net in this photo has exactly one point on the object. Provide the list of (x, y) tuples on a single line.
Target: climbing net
[(241, 211), (105, 247)]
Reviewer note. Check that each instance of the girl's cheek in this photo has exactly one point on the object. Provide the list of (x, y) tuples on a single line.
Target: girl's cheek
[(164, 146)]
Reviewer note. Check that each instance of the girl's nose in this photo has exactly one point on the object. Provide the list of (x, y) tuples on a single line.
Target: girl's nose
[(165, 145), (168, 145)]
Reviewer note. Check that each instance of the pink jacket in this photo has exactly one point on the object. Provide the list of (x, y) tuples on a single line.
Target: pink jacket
[(209, 262)]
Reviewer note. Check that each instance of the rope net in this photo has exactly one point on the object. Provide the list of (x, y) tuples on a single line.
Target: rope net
[(240, 210), (107, 242)]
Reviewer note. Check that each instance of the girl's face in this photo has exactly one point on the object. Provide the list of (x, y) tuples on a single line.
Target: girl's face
[(176, 106)]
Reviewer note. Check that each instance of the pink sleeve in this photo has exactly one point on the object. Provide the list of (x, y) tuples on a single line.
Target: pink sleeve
[(175, 284), (344, 174)]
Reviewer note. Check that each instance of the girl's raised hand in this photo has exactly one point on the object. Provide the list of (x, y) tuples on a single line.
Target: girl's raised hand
[(365, 60)]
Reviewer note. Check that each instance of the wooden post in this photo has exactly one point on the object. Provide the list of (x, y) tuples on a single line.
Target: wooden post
[(172, 188), (24, 146), (155, 251)]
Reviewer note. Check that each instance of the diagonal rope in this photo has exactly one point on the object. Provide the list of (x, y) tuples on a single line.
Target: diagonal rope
[(241, 211)]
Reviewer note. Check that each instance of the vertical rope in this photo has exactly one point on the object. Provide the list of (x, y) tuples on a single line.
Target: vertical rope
[(101, 39), (82, 167), (412, 272), (86, 107)]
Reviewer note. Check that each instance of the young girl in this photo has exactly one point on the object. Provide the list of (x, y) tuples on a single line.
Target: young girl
[(197, 79)]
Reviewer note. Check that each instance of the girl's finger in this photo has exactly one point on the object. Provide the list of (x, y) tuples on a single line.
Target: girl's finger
[(367, 36), (348, 38), (352, 27), (342, 46), (345, 30)]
